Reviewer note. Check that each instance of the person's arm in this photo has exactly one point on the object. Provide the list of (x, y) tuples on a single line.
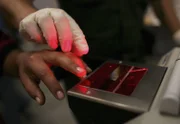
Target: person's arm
[(15, 10), (166, 12), (170, 15), (7, 47), (164, 9)]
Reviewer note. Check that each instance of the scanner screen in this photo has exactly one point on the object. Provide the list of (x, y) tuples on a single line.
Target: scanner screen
[(116, 78)]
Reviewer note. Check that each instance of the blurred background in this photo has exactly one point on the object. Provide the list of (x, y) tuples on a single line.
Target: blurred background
[(18, 108)]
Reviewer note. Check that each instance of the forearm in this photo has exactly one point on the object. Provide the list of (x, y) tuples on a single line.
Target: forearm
[(170, 17), (165, 11), (15, 10)]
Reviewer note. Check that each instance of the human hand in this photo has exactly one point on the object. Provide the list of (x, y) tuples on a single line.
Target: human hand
[(54, 27), (33, 67)]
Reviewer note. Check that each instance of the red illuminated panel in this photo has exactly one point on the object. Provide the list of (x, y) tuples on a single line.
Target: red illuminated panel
[(100, 77), (116, 78), (111, 84), (131, 81)]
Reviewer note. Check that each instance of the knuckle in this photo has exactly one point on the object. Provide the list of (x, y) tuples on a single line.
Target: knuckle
[(31, 58), (59, 14), (59, 57), (69, 65), (43, 73), (61, 11), (27, 20), (42, 14)]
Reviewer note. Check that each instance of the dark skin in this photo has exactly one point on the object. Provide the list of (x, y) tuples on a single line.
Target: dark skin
[(32, 67), (15, 11)]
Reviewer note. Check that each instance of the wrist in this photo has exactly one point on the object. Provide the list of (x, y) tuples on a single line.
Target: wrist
[(19, 17)]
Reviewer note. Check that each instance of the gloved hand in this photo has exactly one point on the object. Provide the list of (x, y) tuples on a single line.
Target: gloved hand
[(54, 27)]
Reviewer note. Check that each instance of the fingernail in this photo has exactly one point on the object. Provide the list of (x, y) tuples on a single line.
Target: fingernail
[(60, 95), (79, 69), (38, 100)]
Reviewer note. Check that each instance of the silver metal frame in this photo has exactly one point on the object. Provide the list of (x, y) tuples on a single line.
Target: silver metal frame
[(139, 101)]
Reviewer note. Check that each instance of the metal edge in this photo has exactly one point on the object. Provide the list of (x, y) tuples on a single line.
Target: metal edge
[(110, 99)]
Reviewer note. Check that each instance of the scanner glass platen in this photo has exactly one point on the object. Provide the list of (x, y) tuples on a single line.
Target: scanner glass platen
[(116, 78)]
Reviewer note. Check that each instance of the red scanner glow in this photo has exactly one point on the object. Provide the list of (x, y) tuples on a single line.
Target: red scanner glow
[(116, 78)]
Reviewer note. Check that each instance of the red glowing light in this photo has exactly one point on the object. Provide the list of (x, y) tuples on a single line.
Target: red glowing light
[(82, 89), (53, 44), (87, 83), (132, 80), (66, 46), (49, 65), (125, 82), (99, 79)]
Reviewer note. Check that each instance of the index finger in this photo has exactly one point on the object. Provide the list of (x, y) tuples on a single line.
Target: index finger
[(63, 29), (43, 72), (80, 46), (66, 61)]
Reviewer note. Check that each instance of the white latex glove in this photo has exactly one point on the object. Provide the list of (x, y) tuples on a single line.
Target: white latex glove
[(54, 27)]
